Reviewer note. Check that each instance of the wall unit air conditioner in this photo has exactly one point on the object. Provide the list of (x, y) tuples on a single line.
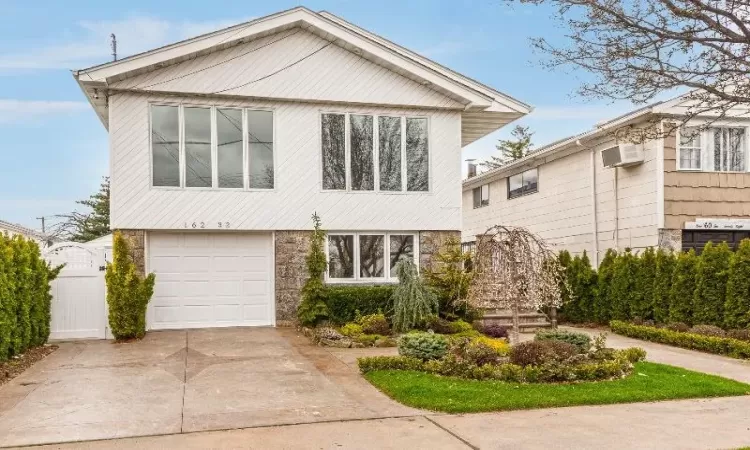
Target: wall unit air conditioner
[(623, 155)]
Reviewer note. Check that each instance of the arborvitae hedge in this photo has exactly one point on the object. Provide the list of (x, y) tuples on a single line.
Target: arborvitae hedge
[(623, 292), (663, 271), (643, 300), (582, 283), (737, 305), (602, 312), (24, 296), (711, 284), (683, 287)]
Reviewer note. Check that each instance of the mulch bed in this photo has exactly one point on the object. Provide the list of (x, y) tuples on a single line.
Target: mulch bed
[(16, 365)]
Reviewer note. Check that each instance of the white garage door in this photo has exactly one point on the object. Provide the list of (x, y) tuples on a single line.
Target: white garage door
[(210, 280)]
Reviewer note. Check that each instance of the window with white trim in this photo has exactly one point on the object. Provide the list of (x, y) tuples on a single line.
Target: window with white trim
[(364, 152), (211, 147), (368, 256), (481, 196), (714, 149)]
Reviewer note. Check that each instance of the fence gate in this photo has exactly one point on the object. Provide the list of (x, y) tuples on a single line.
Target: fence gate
[(78, 293)]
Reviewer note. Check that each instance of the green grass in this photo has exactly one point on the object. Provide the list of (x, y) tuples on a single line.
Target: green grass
[(648, 382)]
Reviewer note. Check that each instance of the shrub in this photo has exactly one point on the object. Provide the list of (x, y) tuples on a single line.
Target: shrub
[(711, 284), (582, 280), (413, 302), (373, 363), (535, 353), (643, 301), (632, 354), (664, 270), (344, 302), (424, 346), (582, 341), (711, 344), (742, 335), (602, 300), (678, 326), (623, 291), (500, 346), (312, 308), (352, 330), (439, 325), (708, 330), (128, 293), (494, 330), (474, 352), (460, 326), (683, 288), (374, 324), (450, 279), (737, 304), (368, 340)]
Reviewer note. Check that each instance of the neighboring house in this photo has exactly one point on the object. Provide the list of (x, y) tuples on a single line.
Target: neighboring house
[(223, 146), (576, 194), (13, 229)]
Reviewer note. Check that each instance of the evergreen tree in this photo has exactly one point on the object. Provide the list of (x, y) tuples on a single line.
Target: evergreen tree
[(737, 305), (413, 301), (83, 227), (711, 284), (623, 288), (313, 308), (511, 149), (582, 285), (665, 262), (643, 305), (565, 260), (602, 300), (683, 288)]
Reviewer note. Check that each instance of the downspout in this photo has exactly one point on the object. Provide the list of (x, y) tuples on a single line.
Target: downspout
[(617, 214), (594, 219)]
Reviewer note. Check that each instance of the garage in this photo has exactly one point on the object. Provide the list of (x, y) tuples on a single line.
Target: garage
[(211, 279)]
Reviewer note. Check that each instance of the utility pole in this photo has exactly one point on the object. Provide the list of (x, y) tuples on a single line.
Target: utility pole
[(44, 231), (113, 44)]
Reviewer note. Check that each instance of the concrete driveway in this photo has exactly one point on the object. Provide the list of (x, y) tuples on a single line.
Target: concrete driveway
[(184, 381)]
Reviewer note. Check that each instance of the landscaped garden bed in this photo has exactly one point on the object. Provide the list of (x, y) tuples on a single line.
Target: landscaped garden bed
[(17, 364)]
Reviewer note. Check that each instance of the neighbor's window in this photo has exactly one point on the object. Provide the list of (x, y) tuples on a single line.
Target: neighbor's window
[(165, 145), (523, 183), (334, 151), (368, 262), (481, 196), (260, 149), (715, 149), (210, 142), (400, 146)]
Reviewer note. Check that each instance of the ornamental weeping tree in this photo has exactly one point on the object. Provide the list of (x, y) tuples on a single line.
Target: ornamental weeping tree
[(515, 269), (413, 301)]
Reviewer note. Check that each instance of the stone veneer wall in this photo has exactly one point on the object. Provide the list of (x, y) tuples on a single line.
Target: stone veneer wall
[(137, 241), (670, 239), (431, 242), (291, 272)]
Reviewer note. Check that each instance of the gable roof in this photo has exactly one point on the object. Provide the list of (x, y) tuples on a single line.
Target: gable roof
[(24, 231), (484, 108)]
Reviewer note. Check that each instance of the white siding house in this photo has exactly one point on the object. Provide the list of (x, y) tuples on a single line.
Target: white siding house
[(223, 146)]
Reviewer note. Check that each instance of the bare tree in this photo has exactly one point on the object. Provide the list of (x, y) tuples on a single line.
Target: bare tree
[(515, 269), (639, 49)]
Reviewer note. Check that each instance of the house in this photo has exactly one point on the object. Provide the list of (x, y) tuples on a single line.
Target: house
[(595, 191), (13, 229), (223, 146)]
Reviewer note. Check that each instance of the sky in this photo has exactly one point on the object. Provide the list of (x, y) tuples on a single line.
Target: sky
[(55, 150)]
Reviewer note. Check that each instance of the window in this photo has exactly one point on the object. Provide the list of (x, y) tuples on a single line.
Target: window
[(481, 196), (362, 256), (375, 153), (715, 149), (523, 183), (165, 145), (203, 147)]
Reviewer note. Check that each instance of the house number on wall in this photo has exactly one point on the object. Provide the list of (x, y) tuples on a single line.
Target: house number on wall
[(203, 225)]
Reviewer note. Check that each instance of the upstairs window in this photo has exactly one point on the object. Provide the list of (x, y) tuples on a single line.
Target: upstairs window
[(368, 256), (203, 147), (715, 149), (523, 183), (481, 196), (374, 153)]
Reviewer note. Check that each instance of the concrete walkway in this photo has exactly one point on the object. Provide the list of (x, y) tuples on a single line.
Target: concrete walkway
[(686, 424)]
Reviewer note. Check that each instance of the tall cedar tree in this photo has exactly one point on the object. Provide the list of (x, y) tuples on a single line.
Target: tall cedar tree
[(711, 284), (313, 308), (582, 280), (602, 298), (644, 299), (737, 305), (624, 291), (665, 262), (450, 279), (83, 227), (568, 309), (511, 149), (683, 288)]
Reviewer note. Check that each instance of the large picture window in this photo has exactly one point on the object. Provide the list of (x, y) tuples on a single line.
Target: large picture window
[(715, 149), (523, 183), (375, 153), (367, 256), (203, 147)]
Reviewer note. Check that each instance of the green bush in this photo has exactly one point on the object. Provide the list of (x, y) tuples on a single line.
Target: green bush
[(374, 324), (424, 346), (352, 329), (413, 301), (737, 304), (582, 341), (643, 302), (623, 291), (602, 300), (678, 326), (632, 354), (664, 270), (711, 344), (25, 299), (474, 351), (579, 293), (708, 330), (742, 334), (449, 278), (460, 326), (537, 353), (345, 303), (373, 363), (439, 325), (128, 293), (313, 308), (711, 284), (683, 288)]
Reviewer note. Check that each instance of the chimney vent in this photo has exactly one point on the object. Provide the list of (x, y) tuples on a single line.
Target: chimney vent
[(472, 168)]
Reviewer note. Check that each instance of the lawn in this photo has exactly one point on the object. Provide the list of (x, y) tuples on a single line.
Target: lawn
[(648, 382)]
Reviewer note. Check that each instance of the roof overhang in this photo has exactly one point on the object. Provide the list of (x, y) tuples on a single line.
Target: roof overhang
[(485, 109)]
